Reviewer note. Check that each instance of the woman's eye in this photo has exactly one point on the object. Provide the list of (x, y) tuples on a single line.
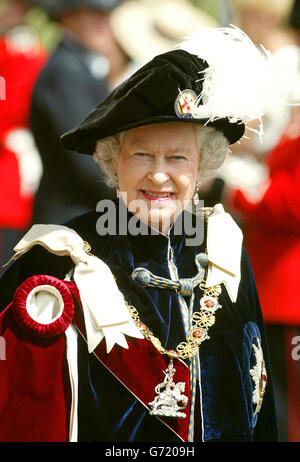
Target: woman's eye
[(141, 154), (177, 157)]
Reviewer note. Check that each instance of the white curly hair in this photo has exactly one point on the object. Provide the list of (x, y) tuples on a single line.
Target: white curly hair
[(213, 147)]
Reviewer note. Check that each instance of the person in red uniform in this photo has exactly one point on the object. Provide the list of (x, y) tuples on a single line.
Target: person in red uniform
[(272, 238), (21, 59)]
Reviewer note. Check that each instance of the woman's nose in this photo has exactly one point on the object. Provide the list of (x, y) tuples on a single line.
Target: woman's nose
[(158, 173)]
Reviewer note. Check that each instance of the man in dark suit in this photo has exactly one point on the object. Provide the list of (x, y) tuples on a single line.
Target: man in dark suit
[(72, 82)]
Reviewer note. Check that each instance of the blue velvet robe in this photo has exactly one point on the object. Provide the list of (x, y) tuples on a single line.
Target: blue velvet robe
[(107, 411)]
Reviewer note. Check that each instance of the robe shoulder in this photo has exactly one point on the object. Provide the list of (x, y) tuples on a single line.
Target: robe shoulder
[(85, 226), (39, 261)]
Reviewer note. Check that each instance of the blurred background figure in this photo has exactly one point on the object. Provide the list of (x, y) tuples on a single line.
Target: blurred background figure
[(267, 24), (21, 59), (146, 28), (84, 58), (261, 184)]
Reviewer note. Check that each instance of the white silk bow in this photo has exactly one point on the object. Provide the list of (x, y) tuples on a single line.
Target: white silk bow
[(224, 246)]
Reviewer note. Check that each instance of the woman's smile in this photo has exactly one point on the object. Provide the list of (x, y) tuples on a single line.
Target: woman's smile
[(157, 195)]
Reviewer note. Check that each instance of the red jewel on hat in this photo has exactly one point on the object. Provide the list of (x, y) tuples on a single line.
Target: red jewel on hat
[(184, 103)]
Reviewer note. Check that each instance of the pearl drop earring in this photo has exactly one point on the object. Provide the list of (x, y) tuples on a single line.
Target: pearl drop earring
[(117, 187), (196, 195)]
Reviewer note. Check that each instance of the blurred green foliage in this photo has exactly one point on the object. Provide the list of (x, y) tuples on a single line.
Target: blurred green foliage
[(222, 10), (48, 31), (209, 6)]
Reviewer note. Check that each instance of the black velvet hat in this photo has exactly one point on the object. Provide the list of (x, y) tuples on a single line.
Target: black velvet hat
[(160, 91)]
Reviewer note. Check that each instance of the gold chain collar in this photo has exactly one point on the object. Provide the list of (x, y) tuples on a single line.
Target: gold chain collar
[(202, 321)]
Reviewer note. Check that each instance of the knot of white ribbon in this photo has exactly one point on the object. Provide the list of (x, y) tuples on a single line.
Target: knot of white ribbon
[(224, 247), (105, 311)]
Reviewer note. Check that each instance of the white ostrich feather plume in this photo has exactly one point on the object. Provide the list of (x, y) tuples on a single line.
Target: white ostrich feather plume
[(241, 82)]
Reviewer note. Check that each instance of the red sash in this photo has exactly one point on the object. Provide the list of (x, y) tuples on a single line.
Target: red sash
[(140, 368)]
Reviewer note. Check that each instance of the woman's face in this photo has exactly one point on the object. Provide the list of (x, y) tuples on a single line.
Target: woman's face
[(157, 169)]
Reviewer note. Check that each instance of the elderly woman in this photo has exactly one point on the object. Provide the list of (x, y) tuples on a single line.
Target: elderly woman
[(140, 321)]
